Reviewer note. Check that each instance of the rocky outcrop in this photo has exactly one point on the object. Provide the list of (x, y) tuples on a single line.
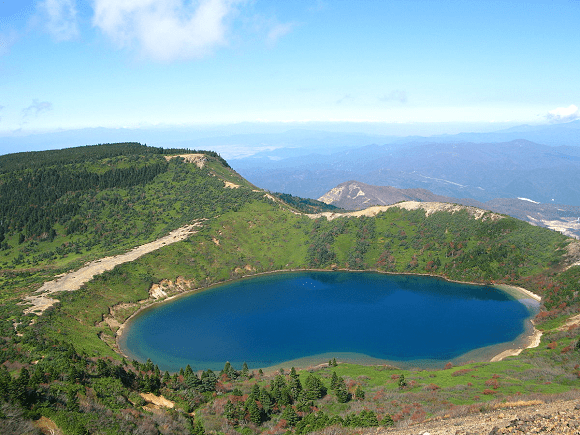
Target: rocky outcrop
[(198, 159), (166, 287), (354, 195)]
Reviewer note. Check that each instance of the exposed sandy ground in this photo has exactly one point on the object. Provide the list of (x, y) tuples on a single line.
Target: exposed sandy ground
[(533, 341), (72, 281), (429, 207), (198, 159), (573, 321), (47, 426), (158, 401), (567, 225), (231, 185)]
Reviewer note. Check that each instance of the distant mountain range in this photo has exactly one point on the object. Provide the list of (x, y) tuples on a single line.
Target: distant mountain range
[(481, 171), (354, 195)]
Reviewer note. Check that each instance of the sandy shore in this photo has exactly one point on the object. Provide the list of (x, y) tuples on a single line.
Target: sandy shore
[(534, 341), (535, 338)]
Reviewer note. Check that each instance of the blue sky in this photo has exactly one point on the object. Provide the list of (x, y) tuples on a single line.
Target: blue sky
[(67, 64)]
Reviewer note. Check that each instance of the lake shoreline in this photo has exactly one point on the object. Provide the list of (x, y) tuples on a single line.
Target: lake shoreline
[(532, 338)]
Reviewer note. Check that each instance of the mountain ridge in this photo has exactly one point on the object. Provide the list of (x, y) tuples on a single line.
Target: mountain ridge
[(354, 195), (481, 171)]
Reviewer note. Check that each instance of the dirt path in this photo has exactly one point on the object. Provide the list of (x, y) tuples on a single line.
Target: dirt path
[(72, 281)]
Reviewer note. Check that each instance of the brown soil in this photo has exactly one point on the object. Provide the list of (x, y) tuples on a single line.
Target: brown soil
[(158, 401)]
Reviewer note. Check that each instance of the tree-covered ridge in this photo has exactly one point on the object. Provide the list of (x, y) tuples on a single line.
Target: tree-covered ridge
[(454, 245), (305, 205), (58, 211), (89, 153)]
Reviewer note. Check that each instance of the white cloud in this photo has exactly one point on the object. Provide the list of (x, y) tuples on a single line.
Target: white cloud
[(396, 95), (564, 114), (60, 17), (345, 98), (277, 31), (165, 29), (6, 40), (36, 108)]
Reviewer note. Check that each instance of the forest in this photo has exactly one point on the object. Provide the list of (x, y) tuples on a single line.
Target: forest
[(63, 208)]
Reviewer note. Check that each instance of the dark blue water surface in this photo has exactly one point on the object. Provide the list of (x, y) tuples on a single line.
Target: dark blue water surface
[(275, 318)]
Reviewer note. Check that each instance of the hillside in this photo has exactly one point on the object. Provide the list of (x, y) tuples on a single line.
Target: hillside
[(354, 195), (61, 366)]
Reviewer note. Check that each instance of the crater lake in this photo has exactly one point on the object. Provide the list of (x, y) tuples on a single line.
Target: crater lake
[(310, 317)]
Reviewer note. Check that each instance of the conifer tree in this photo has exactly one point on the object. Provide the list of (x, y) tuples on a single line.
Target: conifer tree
[(290, 416), (333, 381), (254, 411)]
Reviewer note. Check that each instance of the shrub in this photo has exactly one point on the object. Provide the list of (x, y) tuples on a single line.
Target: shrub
[(461, 372), (492, 383), (432, 387)]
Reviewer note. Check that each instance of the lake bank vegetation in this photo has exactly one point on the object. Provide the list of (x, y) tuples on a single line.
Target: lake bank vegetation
[(63, 365)]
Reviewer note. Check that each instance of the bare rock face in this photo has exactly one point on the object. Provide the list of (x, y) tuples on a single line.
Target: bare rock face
[(166, 287), (354, 195), (197, 159)]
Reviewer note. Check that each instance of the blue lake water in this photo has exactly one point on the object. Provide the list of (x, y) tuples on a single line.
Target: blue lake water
[(276, 318)]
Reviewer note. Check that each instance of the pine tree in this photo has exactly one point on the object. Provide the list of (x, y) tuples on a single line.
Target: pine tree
[(72, 402), (265, 400), (198, 428), (333, 381), (255, 393), (341, 391), (314, 388), (402, 382), (290, 416), (254, 411), (387, 421), (295, 386)]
